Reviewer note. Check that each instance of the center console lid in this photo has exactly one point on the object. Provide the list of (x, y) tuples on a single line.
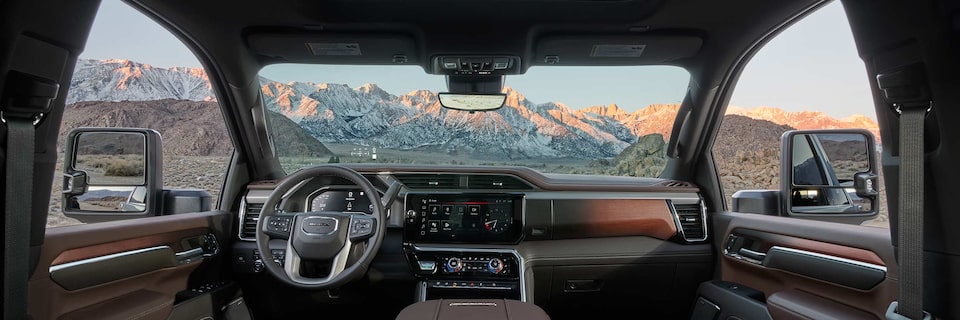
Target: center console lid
[(470, 309)]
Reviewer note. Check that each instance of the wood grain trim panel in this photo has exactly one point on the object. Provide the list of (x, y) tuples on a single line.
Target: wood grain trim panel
[(92, 240), (171, 240), (771, 281), (858, 254), (50, 301), (583, 218), (798, 233)]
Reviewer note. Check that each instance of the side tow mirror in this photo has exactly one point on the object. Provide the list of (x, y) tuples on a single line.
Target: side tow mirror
[(112, 174), (829, 175)]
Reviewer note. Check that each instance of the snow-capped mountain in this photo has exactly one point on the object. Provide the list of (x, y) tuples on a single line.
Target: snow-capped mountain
[(119, 80), (368, 115)]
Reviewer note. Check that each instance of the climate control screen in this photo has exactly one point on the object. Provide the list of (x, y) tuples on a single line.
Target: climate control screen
[(464, 218)]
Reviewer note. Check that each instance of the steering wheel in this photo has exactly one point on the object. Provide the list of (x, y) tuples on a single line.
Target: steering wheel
[(322, 237)]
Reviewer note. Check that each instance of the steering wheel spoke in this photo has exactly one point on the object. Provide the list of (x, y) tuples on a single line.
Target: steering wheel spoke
[(293, 264)]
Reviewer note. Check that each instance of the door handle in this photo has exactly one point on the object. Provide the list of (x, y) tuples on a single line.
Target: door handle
[(751, 254)]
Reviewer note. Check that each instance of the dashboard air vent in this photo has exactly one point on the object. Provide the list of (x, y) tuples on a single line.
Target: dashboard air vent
[(429, 181), (691, 222), (248, 226), (496, 182)]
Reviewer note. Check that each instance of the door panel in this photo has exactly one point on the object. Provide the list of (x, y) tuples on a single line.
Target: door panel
[(808, 268), (122, 269)]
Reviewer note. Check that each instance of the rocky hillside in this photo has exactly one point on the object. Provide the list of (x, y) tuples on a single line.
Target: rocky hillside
[(745, 147), (747, 152), (743, 135), (188, 128), (646, 158)]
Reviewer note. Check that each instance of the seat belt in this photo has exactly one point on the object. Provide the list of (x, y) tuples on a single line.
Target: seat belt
[(26, 100), (910, 214), (905, 89), (17, 213)]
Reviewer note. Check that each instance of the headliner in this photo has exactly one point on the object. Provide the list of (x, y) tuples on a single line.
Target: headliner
[(227, 31)]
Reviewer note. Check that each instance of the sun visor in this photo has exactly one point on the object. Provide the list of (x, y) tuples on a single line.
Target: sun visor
[(336, 48), (613, 50)]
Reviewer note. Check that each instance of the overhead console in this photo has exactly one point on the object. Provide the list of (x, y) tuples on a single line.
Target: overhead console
[(472, 65), (463, 218)]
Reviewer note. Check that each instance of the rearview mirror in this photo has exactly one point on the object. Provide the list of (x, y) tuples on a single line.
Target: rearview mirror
[(111, 173), (830, 173), (472, 102)]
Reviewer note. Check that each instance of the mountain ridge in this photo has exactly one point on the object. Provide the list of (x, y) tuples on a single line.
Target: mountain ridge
[(369, 115)]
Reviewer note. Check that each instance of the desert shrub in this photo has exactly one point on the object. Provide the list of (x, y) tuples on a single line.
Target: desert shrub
[(92, 161), (123, 168)]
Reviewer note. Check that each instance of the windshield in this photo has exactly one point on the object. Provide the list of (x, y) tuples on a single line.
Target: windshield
[(580, 120)]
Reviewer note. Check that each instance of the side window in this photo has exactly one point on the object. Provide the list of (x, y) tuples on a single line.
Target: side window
[(808, 77), (135, 74)]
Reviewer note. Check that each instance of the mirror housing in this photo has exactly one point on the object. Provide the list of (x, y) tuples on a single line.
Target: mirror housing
[(829, 175), (112, 174)]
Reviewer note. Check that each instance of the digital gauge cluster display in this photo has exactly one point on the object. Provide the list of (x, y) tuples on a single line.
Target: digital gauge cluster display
[(463, 218), (341, 200)]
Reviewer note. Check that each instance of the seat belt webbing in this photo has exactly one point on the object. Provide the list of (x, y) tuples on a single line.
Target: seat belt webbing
[(17, 214), (910, 213)]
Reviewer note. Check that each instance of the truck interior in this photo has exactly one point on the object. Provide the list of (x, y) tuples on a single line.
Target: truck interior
[(487, 239)]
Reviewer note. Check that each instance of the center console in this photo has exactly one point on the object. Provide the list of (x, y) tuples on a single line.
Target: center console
[(455, 243)]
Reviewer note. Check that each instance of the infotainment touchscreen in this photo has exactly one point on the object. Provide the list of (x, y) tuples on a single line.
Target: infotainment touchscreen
[(463, 218)]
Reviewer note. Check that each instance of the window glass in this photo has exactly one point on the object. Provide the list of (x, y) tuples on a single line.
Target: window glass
[(133, 73), (808, 77), (575, 120)]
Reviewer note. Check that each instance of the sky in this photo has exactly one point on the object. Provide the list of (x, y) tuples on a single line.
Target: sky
[(813, 65)]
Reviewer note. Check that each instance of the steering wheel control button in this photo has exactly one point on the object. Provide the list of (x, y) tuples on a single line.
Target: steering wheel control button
[(361, 227), (279, 226), (319, 225)]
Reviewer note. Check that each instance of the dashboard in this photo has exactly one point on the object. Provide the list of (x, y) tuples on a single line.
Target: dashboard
[(484, 232), (502, 205)]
